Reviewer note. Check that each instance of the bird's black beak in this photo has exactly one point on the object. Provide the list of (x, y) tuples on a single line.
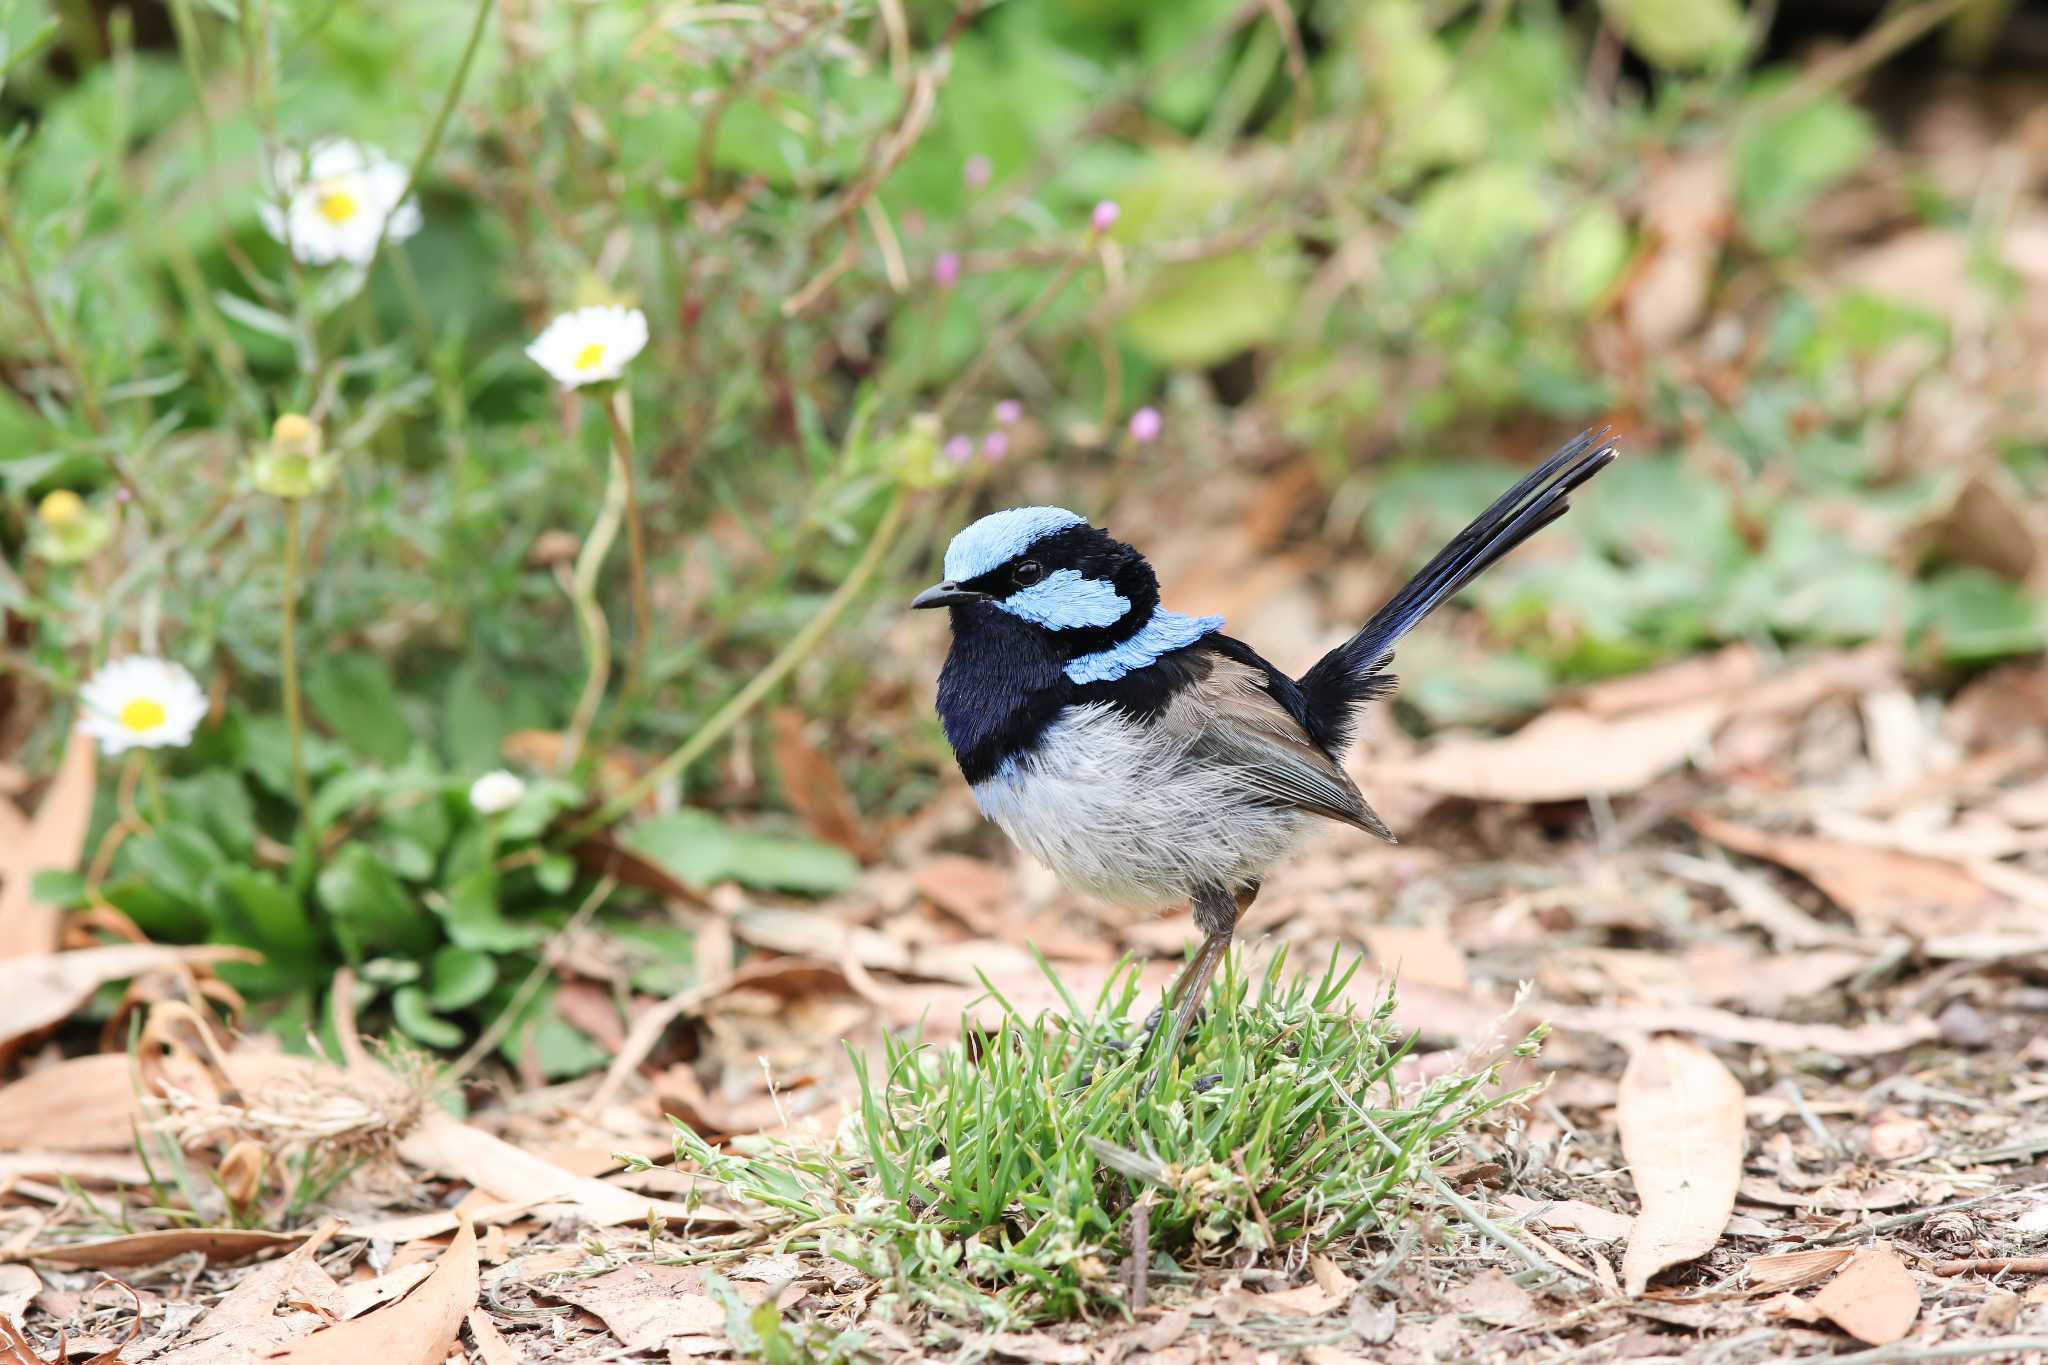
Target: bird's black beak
[(944, 594)]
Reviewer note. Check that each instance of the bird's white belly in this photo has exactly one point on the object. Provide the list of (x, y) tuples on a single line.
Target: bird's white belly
[(1119, 809)]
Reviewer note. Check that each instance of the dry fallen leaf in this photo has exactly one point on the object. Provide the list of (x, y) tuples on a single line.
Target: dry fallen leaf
[(417, 1330), (89, 1104), (1882, 890), (1862, 1040), (491, 1346), (1688, 204), (1874, 1299), (1681, 1117), (1794, 1269), (1571, 1215), (220, 1246), (1494, 1298), (444, 1144), (53, 841), (646, 1304), (1417, 956), (43, 989), (1562, 755), (813, 787)]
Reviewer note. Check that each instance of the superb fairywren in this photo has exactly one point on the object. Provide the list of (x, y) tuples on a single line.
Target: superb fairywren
[(1147, 757)]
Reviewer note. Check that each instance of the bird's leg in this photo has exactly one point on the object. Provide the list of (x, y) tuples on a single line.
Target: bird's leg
[(1216, 914)]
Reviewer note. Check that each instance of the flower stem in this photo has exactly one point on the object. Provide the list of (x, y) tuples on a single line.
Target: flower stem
[(590, 622), (619, 408), (793, 653), (288, 660)]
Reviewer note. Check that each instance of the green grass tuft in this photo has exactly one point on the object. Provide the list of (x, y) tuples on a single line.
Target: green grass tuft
[(996, 1180)]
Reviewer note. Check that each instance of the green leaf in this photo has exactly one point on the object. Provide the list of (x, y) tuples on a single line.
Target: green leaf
[(371, 911), (264, 909), (1782, 165), (1473, 221), (471, 915), (1682, 34), (412, 1012), (353, 694), (1583, 262), (215, 801), (1197, 313), (459, 977), (700, 850), (177, 860), (60, 887), (1974, 616)]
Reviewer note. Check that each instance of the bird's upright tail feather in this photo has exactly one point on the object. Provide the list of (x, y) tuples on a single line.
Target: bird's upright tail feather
[(1355, 671)]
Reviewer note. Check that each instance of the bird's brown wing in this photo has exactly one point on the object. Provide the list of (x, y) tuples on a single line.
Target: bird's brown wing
[(1229, 719)]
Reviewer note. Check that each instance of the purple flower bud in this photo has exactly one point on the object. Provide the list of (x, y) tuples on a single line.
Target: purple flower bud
[(995, 445), (1105, 215), (946, 269), (959, 450), (977, 171), (1145, 424), (1008, 411)]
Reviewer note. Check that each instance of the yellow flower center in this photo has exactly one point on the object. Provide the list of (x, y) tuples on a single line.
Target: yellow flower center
[(61, 508), (337, 205), (142, 715), (591, 356)]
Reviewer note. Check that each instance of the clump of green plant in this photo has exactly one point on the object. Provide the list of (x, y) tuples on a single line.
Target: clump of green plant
[(1006, 1179)]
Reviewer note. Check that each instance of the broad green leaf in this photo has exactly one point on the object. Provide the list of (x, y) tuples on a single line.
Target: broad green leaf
[(415, 1014), (1585, 260), (263, 908), (699, 850), (1197, 313), (470, 913), (1973, 616), (354, 695), (370, 909), (1784, 163), (1472, 221), (1682, 34), (459, 977)]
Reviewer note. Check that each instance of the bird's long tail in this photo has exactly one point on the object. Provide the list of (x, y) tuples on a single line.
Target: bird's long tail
[(1355, 671)]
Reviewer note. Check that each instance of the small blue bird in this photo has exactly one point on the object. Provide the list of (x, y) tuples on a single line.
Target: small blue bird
[(1147, 757)]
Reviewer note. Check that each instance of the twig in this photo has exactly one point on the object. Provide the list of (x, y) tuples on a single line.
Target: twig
[(1852, 61), (1903, 1220), (1141, 1250), (2019, 1265)]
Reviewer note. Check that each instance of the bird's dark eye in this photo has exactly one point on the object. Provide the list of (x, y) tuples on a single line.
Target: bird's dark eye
[(1027, 573)]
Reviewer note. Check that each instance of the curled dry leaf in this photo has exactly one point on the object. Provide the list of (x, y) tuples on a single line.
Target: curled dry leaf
[(1681, 1117), (43, 989), (1874, 1299), (419, 1329), (491, 1346)]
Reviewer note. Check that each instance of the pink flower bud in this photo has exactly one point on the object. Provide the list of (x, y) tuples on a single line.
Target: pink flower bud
[(995, 445), (1008, 411), (946, 269), (977, 171), (959, 450), (1105, 215), (1145, 424)]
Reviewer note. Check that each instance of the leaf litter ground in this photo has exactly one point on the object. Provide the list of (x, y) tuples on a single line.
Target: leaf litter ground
[(1787, 920)]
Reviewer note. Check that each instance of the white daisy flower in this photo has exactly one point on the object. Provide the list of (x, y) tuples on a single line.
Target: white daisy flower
[(332, 202), (141, 703), (496, 791), (589, 345)]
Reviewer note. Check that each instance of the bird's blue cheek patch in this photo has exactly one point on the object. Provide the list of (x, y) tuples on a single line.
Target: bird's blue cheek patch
[(1065, 600)]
